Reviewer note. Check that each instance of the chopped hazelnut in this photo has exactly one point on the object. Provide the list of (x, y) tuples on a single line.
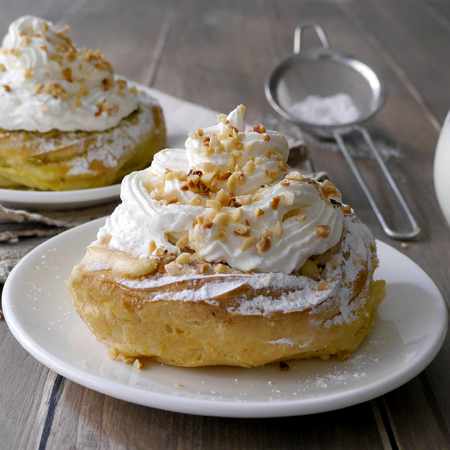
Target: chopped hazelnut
[(183, 258), (151, 246), (275, 202), (221, 219), (183, 241), (67, 74), (264, 244), (28, 74), (346, 210), (249, 242), (174, 268), (221, 268), (322, 231), (242, 230), (259, 128)]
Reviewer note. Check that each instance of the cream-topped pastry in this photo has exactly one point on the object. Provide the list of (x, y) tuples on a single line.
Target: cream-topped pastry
[(47, 83), (220, 254), (231, 196), (66, 120)]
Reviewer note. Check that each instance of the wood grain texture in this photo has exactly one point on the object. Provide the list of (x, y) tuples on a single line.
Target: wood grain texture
[(219, 53)]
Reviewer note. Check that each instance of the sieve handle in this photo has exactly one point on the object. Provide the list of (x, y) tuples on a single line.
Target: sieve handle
[(298, 35), (415, 229)]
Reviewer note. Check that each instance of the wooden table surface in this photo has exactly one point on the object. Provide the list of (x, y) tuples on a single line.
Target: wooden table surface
[(218, 53)]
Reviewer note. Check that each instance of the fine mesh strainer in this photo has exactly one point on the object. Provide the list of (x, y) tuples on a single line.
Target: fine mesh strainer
[(325, 72)]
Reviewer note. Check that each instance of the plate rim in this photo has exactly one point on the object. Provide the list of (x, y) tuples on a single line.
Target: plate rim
[(199, 406), (22, 198), (56, 197)]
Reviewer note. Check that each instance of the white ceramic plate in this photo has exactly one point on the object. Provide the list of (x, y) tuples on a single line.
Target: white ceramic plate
[(181, 118), (61, 200), (409, 332)]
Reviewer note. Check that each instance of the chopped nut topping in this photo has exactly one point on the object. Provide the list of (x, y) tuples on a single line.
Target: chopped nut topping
[(183, 241), (329, 190), (249, 242), (259, 212), (242, 230), (28, 74), (184, 258), (151, 246), (67, 74), (259, 128), (224, 176), (7, 88), (266, 138), (213, 204), (104, 107), (292, 213), (221, 268), (55, 90), (221, 219), (98, 60), (223, 198), (107, 84), (264, 244), (174, 268), (204, 267), (322, 231), (347, 210), (275, 202)]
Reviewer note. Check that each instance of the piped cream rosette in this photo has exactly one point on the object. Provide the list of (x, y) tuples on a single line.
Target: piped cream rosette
[(220, 254)]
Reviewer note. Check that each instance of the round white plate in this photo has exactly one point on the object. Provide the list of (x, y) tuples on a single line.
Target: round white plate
[(59, 200), (410, 330)]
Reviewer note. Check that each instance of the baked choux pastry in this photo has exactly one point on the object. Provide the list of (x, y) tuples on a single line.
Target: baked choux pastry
[(220, 254)]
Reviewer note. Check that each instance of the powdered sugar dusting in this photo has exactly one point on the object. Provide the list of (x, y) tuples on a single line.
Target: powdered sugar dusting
[(289, 293), (282, 341)]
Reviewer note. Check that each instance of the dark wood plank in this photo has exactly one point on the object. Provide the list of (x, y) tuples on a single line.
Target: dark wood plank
[(94, 421), (127, 33), (26, 385)]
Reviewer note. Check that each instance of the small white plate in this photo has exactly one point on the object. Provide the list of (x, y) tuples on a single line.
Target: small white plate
[(409, 332), (181, 118), (58, 200)]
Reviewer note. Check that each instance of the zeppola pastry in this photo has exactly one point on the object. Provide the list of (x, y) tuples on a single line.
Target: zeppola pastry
[(221, 255), (66, 121)]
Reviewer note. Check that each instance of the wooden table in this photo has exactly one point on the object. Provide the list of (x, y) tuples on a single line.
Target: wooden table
[(218, 53)]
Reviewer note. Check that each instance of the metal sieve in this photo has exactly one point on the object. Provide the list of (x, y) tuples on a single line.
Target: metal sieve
[(324, 72)]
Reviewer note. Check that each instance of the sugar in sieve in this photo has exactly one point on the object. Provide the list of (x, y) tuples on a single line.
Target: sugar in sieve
[(324, 72)]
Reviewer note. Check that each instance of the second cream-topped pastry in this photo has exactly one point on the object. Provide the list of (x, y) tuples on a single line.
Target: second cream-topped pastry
[(221, 254), (66, 120)]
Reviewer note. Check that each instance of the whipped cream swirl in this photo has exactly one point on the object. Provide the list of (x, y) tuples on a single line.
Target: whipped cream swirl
[(230, 197), (47, 83)]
